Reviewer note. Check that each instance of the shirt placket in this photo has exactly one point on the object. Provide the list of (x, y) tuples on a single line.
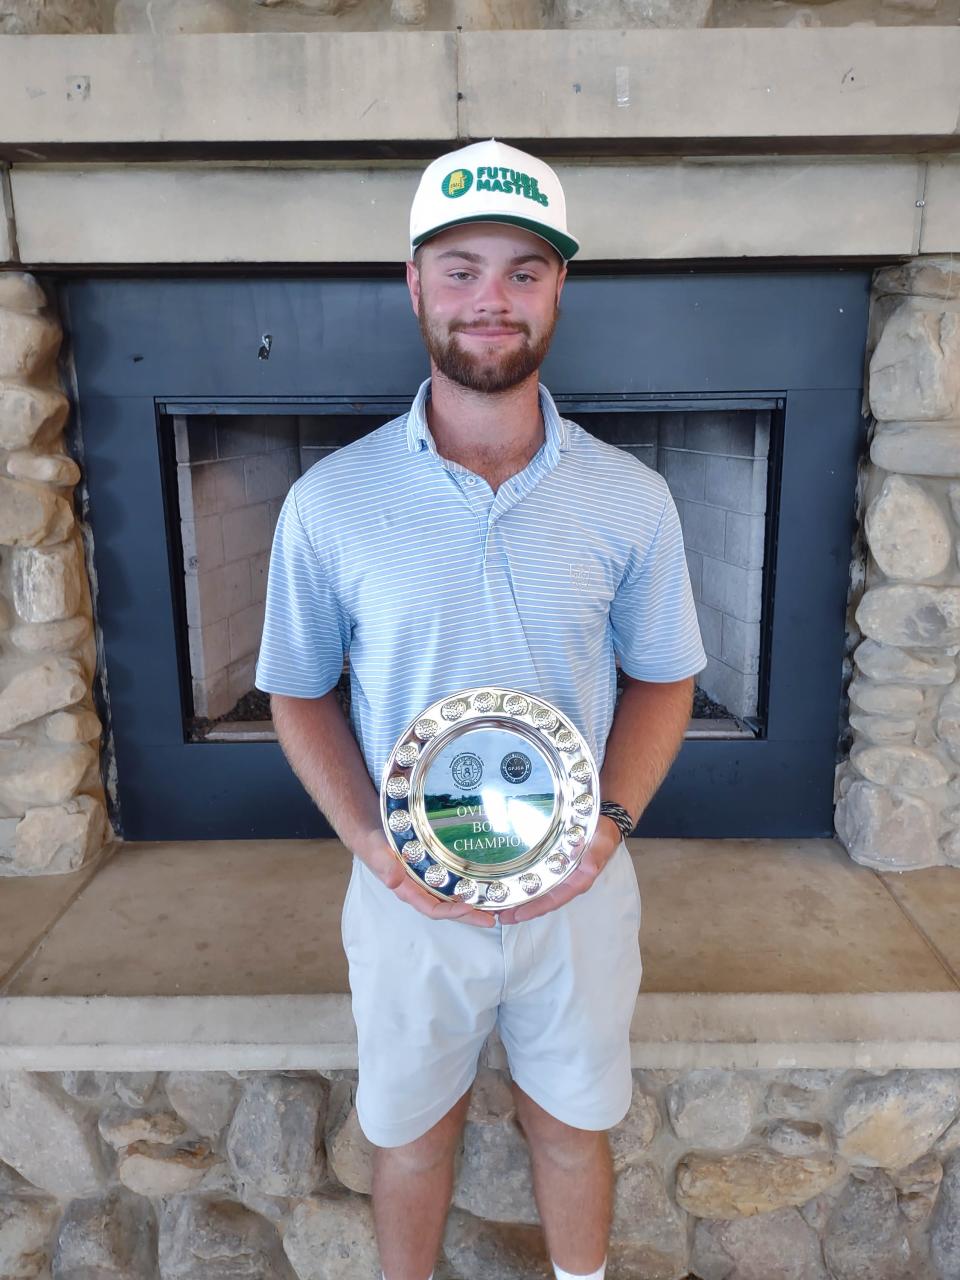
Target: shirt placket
[(488, 506), (480, 498)]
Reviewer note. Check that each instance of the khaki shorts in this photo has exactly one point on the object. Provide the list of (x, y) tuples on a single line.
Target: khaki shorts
[(426, 994)]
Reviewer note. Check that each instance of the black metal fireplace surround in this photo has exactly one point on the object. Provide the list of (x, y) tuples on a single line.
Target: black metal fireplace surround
[(149, 348)]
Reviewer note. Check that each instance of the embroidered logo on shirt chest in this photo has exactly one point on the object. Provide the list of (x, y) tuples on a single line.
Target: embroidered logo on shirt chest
[(583, 576)]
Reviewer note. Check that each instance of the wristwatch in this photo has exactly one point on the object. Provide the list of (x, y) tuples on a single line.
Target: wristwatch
[(618, 815)]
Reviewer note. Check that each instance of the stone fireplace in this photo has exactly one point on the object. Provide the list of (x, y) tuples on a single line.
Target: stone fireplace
[(742, 390), (221, 156)]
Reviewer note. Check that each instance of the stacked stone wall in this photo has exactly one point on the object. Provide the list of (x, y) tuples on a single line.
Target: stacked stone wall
[(899, 792), (52, 814), (164, 17), (749, 1175)]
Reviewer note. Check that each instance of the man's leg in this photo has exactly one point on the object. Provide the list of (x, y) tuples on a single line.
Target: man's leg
[(571, 991), (573, 1184), (412, 1186)]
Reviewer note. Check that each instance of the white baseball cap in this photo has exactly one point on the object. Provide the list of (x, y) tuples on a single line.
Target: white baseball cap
[(491, 182)]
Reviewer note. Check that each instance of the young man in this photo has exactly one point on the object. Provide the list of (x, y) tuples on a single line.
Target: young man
[(481, 539)]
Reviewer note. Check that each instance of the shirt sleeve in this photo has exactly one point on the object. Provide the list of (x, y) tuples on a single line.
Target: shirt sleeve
[(306, 631), (656, 634)]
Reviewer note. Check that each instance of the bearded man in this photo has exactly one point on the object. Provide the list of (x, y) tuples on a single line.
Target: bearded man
[(481, 539)]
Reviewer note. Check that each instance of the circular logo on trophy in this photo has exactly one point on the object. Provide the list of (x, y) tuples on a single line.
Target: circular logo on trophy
[(516, 767), (467, 769)]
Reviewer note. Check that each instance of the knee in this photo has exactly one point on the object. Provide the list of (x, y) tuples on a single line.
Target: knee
[(432, 1149), (567, 1149), (561, 1144)]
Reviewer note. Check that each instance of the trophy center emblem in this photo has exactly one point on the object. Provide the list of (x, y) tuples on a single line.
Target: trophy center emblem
[(516, 767), (467, 769)]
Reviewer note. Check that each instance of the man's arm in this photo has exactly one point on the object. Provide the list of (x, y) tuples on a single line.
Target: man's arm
[(323, 753), (645, 737)]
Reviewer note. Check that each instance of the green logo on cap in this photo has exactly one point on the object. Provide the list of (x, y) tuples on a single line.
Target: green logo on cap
[(510, 182), (457, 183)]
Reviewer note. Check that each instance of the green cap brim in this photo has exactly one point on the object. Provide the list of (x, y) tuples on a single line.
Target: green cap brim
[(566, 246)]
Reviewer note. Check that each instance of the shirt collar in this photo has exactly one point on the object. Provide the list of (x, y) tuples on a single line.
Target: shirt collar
[(419, 437)]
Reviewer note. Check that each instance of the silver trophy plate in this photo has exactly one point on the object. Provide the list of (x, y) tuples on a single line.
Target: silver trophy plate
[(490, 796)]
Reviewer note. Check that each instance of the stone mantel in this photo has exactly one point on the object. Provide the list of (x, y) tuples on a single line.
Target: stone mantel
[(168, 150), (793, 207), (839, 90)]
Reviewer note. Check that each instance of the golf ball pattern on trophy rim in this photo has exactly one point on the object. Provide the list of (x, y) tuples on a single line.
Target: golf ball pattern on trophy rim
[(400, 820), (450, 721), (413, 851), (545, 719)]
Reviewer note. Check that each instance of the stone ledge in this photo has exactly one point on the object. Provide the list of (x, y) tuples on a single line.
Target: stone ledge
[(224, 89), (756, 89), (170, 214), (841, 83), (757, 954), (201, 1033), (873, 1031)]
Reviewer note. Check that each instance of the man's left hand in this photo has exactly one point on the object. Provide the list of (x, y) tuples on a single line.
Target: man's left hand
[(599, 851)]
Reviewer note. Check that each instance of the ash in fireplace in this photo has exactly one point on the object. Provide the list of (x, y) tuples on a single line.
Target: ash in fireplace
[(705, 708), (255, 705)]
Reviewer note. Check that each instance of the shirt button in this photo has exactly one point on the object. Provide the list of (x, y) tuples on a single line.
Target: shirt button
[(471, 480)]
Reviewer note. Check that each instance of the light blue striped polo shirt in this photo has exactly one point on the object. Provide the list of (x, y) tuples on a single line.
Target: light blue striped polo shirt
[(433, 583)]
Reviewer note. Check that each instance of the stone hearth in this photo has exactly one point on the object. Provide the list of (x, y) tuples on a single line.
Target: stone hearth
[(796, 1056)]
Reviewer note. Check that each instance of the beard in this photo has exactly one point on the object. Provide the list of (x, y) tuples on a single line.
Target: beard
[(488, 372)]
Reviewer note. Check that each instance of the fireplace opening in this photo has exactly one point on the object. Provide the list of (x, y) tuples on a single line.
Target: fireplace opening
[(743, 388), (233, 471)]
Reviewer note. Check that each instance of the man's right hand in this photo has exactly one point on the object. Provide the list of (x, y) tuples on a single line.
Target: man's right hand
[(386, 866)]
